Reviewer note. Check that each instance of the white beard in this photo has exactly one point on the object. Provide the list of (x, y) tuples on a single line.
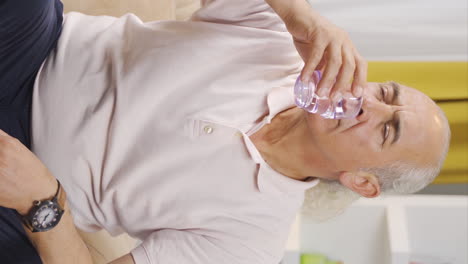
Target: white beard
[(326, 200)]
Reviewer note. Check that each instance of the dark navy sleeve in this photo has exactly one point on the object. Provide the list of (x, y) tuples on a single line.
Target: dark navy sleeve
[(29, 30)]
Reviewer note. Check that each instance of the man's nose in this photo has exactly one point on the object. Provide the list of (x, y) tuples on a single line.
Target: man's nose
[(374, 108)]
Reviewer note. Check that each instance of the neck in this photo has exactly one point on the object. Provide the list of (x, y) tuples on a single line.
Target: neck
[(286, 146)]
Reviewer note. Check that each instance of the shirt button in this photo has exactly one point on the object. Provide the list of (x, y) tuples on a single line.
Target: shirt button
[(208, 129)]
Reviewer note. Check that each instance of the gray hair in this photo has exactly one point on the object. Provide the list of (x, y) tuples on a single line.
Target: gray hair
[(330, 198)]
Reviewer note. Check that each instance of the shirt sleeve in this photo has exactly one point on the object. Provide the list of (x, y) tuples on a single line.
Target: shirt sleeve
[(176, 247), (248, 13)]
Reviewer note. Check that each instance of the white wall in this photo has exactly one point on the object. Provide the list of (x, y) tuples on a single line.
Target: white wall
[(406, 30)]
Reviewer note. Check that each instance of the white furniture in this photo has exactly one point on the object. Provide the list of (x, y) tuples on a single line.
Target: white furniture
[(426, 229)]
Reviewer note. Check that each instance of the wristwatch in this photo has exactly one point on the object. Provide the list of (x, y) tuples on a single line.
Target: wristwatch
[(46, 214)]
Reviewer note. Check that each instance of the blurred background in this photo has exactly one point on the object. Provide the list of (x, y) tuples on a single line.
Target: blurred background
[(147, 10)]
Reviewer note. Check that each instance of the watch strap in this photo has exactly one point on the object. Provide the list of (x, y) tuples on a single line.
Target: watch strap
[(60, 197)]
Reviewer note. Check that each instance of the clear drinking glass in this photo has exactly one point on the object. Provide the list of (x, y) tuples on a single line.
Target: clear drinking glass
[(306, 98)]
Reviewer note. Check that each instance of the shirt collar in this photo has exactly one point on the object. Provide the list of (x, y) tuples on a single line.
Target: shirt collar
[(269, 180)]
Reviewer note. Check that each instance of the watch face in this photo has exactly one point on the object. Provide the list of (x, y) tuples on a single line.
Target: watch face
[(46, 216)]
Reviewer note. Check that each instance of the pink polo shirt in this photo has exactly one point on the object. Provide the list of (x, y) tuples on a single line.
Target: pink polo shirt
[(147, 127)]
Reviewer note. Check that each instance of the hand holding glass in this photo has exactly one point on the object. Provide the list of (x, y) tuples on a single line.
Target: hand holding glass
[(307, 99)]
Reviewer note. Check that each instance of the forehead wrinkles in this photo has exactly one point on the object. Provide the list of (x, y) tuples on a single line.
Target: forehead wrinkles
[(420, 129), (422, 133)]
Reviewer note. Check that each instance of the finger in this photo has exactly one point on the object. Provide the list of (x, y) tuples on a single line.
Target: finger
[(311, 64), (333, 67), (302, 49), (342, 83), (322, 64), (360, 76)]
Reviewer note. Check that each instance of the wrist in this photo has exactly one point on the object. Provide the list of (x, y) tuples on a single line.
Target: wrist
[(45, 192), (45, 214), (283, 8)]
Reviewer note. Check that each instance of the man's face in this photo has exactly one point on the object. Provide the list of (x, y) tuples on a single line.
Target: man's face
[(396, 123)]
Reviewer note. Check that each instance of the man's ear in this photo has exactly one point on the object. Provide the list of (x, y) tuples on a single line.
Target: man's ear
[(363, 183)]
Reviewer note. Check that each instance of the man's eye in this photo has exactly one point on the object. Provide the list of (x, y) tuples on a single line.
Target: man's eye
[(383, 93), (385, 132)]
